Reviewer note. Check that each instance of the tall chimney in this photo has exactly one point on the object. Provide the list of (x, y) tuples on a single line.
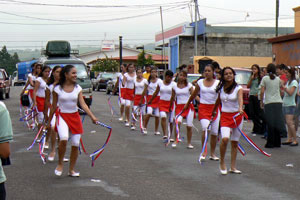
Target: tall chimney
[(297, 19)]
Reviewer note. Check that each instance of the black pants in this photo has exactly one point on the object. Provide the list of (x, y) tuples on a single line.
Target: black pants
[(275, 123), (2, 191), (256, 114)]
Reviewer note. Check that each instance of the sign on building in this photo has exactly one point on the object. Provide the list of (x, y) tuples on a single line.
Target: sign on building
[(108, 45)]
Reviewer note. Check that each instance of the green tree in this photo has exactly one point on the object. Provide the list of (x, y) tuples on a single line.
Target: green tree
[(149, 60), (7, 61), (105, 65), (143, 61)]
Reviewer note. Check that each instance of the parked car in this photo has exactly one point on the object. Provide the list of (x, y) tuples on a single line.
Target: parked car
[(242, 77), (111, 85), (4, 85), (102, 79), (94, 82), (192, 77)]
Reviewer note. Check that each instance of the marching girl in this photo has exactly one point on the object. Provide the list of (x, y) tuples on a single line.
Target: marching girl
[(182, 91), (152, 108), (206, 88), (66, 94), (128, 84), (165, 90), (39, 94), (231, 97), (52, 82), (139, 84), (121, 91)]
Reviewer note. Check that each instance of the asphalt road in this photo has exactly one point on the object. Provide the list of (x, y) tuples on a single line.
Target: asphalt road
[(134, 166)]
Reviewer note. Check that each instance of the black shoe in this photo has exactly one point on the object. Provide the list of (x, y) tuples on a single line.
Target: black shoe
[(286, 143), (294, 144), (269, 146)]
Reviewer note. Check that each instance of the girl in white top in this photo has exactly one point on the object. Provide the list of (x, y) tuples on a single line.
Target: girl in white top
[(206, 88), (165, 89), (53, 81), (139, 85), (39, 94), (121, 91), (128, 83), (152, 108), (182, 91), (67, 93), (231, 97)]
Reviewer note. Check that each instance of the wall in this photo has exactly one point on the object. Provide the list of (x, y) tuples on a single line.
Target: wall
[(287, 52)]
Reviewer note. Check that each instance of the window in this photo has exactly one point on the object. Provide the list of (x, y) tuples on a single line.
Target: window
[(242, 77), (81, 70)]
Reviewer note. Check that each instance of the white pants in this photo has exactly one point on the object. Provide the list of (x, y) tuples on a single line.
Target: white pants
[(122, 101), (53, 121), (164, 114), (189, 118), (128, 102), (40, 117), (63, 132), (143, 109), (214, 129), (153, 111), (235, 135)]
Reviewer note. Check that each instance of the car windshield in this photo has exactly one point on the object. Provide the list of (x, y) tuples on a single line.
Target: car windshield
[(1, 75), (242, 77), (192, 78), (81, 70), (107, 75)]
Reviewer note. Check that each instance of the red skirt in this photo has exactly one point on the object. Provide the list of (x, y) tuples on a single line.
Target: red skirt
[(137, 99), (205, 111), (179, 108), (129, 94), (73, 121), (123, 91), (164, 106), (155, 102), (31, 93), (40, 101), (227, 120)]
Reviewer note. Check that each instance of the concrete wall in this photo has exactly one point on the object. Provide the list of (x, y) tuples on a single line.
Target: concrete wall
[(225, 45)]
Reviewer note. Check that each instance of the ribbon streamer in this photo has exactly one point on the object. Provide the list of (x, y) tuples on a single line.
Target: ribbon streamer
[(170, 120), (178, 139), (35, 138), (42, 146), (112, 109)]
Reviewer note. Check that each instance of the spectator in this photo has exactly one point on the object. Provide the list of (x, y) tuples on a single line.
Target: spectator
[(289, 106), (280, 71), (6, 135), (146, 74), (270, 87)]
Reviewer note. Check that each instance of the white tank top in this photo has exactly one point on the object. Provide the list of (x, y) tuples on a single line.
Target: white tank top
[(67, 101), (182, 94), (230, 102), (208, 95), (152, 87), (41, 90), (130, 81), (140, 86), (29, 87), (120, 80), (50, 88), (166, 90)]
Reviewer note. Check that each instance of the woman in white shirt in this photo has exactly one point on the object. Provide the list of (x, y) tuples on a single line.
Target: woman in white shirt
[(152, 108), (121, 91), (206, 88), (139, 84), (164, 88), (231, 97), (128, 84), (67, 94), (181, 92)]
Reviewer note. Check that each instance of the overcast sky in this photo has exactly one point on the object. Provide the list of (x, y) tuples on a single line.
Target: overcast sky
[(21, 23)]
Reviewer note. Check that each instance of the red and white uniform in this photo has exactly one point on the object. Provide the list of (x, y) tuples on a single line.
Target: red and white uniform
[(121, 89), (165, 96), (139, 88), (68, 118), (51, 88), (40, 98), (230, 107), (208, 97), (129, 89), (182, 96), (154, 106), (30, 88)]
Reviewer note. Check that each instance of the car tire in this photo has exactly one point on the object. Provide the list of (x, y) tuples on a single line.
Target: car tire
[(2, 96), (93, 88), (7, 95)]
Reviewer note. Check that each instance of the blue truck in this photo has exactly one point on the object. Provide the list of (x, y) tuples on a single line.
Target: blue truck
[(19, 77)]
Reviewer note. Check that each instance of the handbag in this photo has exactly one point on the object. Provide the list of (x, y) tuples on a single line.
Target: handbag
[(25, 100)]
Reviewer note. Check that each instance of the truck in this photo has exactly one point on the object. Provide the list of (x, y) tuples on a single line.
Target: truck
[(19, 77)]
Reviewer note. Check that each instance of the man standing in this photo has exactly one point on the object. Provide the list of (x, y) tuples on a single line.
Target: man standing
[(146, 74), (6, 135)]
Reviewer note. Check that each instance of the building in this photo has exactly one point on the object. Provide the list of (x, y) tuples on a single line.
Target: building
[(217, 41), (286, 49)]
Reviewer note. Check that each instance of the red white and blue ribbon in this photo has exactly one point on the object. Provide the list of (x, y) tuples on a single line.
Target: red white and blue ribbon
[(178, 139), (138, 111), (35, 138), (205, 142), (170, 120), (81, 141), (248, 139), (98, 152), (42, 146), (112, 109)]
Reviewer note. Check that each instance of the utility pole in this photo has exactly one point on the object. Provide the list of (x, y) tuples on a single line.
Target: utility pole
[(277, 16), (196, 27), (163, 35), (120, 50)]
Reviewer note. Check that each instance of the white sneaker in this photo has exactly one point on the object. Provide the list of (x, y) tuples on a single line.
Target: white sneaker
[(127, 124), (145, 131), (190, 146), (174, 145), (132, 128), (121, 119), (157, 133), (66, 160)]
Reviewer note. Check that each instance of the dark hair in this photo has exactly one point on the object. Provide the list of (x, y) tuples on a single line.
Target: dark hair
[(185, 74), (291, 70), (215, 65), (150, 77), (127, 68), (182, 67), (51, 79), (169, 73), (35, 68), (43, 69), (139, 69), (222, 81), (258, 72), (281, 67), (33, 65), (62, 75), (271, 69)]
